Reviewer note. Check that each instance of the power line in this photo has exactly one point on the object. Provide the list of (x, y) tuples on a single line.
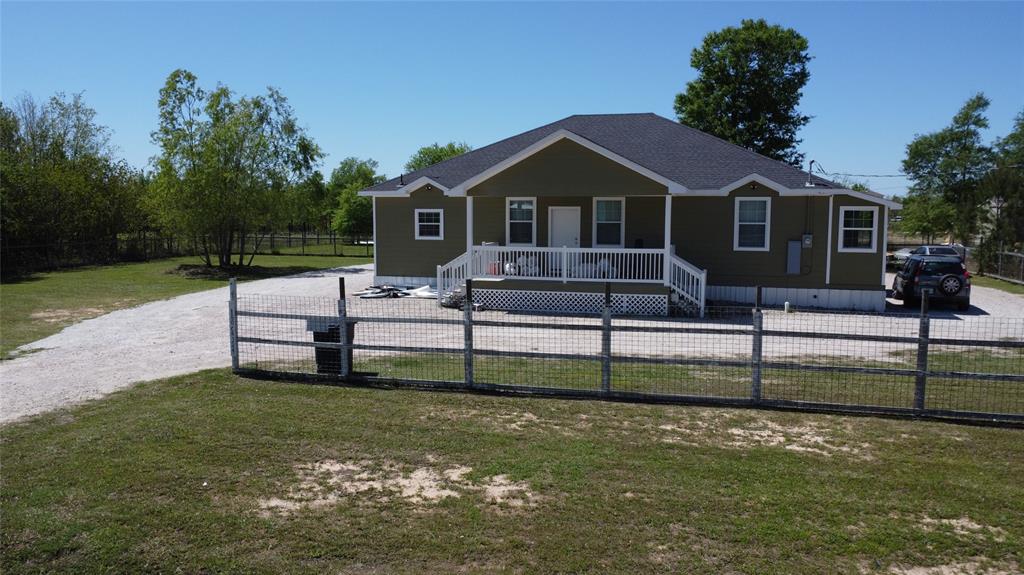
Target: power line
[(823, 172)]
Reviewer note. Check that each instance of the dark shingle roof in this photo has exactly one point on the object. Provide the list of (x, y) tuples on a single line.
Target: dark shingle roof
[(697, 160)]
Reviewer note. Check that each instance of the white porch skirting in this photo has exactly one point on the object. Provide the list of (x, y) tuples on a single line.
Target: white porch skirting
[(404, 281), (570, 302), (846, 299)]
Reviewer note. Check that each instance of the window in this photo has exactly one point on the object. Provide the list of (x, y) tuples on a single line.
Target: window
[(857, 229), (430, 224), (752, 224), (609, 229), (942, 268), (521, 221)]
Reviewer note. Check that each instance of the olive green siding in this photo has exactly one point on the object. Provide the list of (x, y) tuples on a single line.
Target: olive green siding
[(488, 220), (857, 269), (645, 220), (399, 253), (567, 174), (566, 168), (703, 227)]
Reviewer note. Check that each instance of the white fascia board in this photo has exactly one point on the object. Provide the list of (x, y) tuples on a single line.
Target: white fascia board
[(563, 134), (405, 190), (802, 191)]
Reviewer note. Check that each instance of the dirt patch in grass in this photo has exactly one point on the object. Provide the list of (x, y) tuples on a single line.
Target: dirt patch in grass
[(325, 483), (512, 421), (801, 438), (66, 315), (976, 566), (965, 528), (738, 433)]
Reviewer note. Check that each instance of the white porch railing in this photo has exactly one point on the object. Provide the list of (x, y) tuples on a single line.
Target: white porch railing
[(567, 264), (576, 264)]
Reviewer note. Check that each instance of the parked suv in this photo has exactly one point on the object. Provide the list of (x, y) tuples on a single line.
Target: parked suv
[(945, 276)]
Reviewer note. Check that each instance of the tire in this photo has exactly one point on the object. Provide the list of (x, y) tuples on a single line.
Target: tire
[(908, 301), (950, 285)]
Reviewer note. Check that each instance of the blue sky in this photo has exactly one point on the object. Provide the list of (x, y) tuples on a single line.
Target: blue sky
[(379, 80)]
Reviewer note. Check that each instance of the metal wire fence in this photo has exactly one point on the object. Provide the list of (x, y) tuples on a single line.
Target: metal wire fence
[(969, 368)]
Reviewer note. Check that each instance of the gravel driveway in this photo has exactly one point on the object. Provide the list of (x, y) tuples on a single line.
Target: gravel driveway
[(189, 333), (152, 341)]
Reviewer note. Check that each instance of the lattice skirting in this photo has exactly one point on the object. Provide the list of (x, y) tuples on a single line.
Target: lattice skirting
[(570, 302)]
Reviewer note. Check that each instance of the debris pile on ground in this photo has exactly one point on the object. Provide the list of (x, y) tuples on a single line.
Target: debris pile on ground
[(389, 291)]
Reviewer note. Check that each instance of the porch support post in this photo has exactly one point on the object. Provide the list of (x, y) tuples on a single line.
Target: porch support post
[(666, 269), (469, 237), (469, 223)]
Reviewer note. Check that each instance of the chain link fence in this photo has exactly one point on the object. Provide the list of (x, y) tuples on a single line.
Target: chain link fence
[(969, 368)]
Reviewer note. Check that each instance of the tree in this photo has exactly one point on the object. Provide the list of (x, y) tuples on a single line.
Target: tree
[(63, 195), (311, 203), (926, 215), (435, 153), (1003, 187), (226, 163), (750, 81), (353, 216), (949, 165)]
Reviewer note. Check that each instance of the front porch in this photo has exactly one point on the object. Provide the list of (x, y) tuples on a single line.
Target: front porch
[(542, 266), (565, 261)]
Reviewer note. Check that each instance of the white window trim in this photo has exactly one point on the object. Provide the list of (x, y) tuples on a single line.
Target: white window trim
[(874, 229), (508, 222), (767, 224), (416, 223), (622, 226)]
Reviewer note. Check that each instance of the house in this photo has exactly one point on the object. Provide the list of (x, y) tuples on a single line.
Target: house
[(670, 214)]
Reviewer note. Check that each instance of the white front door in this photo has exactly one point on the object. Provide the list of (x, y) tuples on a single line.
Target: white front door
[(564, 226)]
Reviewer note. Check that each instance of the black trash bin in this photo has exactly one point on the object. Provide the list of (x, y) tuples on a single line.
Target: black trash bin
[(328, 359)]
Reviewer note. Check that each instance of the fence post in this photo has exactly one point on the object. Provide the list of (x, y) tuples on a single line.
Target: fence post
[(467, 314), (755, 354), (606, 339), (921, 380), (343, 331), (757, 297), (233, 322)]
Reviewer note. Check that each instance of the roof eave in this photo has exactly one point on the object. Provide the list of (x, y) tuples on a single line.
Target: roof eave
[(405, 190)]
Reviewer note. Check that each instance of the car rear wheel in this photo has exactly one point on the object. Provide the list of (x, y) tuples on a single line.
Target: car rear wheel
[(950, 285)]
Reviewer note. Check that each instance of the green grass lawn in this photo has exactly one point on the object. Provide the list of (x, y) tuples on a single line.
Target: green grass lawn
[(990, 282), (43, 304), (213, 473)]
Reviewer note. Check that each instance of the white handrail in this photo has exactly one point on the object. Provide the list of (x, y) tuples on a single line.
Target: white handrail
[(452, 275), (689, 281)]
